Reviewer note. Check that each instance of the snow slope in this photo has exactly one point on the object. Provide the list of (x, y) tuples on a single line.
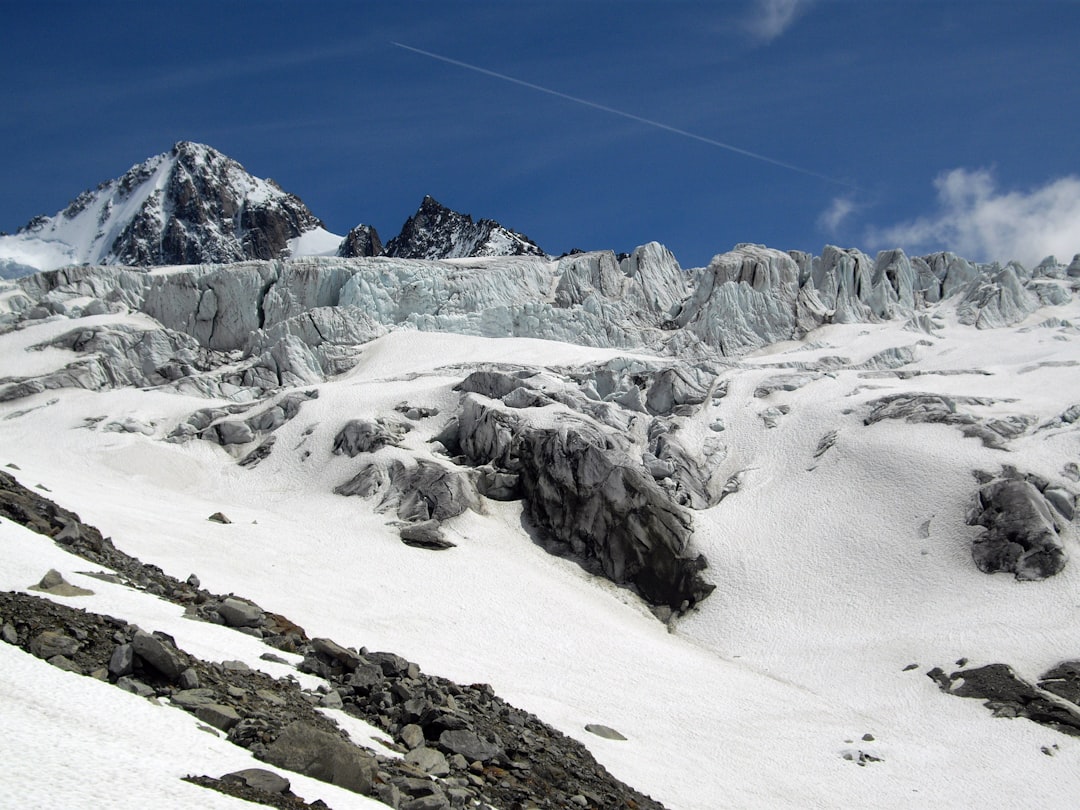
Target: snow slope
[(826, 589)]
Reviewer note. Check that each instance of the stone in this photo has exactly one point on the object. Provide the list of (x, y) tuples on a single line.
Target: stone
[(218, 517), (436, 801), (65, 663), (192, 699), (469, 745), (331, 649), (136, 687), (9, 634), (429, 761), (217, 715), (604, 731), (412, 735), (239, 613), (189, 679), (53, 642), (158, 654), (55, 585), (259, 779), (122, 661), (324, 756)]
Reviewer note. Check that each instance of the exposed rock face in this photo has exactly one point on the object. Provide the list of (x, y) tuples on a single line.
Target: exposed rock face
[(191, 205), (363, 240), (1022, 535), (436, 232), (1052, 703)]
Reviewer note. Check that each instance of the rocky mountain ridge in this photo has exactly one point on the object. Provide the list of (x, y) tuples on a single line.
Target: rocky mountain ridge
[(194, 205)]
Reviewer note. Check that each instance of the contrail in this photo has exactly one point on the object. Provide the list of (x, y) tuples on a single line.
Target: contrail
[(604, 108)]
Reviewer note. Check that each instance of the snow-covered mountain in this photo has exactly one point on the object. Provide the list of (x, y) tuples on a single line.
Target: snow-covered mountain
[(194, 205), (436, 232), (187, 206), (747, 532)]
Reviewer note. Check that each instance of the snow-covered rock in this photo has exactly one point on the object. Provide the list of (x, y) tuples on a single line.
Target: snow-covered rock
[(437, 232), (186, 206)]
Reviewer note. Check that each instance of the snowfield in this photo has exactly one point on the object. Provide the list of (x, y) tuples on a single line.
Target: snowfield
[(832, 575)]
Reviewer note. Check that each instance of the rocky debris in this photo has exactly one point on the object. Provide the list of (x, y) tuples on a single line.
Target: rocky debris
[(258, 786), (1051, 703), (518, 759), (55, 585), (436, 232), (1022, 535)]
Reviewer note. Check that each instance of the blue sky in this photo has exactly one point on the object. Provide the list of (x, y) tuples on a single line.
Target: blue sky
[(872, 123)]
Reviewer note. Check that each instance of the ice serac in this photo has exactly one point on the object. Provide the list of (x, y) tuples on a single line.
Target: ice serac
[(190, 205), (585, 494), (745, 299), (1022, 535), (437, 232)]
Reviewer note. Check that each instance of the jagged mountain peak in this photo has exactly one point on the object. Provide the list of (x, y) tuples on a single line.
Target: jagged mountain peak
[(438, 232), (190, 205)]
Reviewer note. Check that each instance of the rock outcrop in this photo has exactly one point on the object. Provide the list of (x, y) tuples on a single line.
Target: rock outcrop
[(436, 232)]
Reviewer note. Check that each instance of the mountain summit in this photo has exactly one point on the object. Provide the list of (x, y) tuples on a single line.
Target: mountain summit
[(190, 205), (437, 232)]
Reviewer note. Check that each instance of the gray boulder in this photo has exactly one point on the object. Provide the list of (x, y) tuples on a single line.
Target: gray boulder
[(469, 745), (159, 654), (51, 643), (239, 613), (324, 756), (259, 779)]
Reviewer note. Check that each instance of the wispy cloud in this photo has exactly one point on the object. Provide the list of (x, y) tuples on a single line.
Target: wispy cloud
[(837, 213), (978, 221), (768, 19)]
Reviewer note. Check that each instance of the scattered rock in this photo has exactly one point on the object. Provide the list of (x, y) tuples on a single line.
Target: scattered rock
[(52, 643), (238, 613), (604, 731), (259, 779), (218, 517)]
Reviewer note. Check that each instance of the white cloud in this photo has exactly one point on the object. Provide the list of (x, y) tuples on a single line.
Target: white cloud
[(976, 220), (768, 19), (836, 214)]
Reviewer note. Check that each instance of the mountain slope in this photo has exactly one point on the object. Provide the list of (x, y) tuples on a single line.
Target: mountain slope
[(190, 205), (826, 423)]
